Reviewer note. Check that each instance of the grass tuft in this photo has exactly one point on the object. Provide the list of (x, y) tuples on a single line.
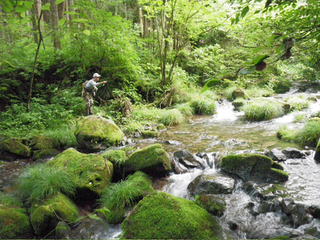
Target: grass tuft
[(42, 181), (262, 109)]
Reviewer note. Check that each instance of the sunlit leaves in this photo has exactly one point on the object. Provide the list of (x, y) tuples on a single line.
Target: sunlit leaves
[(210, 84)]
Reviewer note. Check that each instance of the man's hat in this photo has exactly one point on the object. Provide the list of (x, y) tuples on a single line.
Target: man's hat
[(96, 75)]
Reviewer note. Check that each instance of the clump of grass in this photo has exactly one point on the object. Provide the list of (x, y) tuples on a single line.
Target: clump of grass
[(132, 127), (262, 109), (120, 196), (171, 117), (203, 106), (185, 109), (309, 134), (255, 92), (228, 92), (64, 136), (297, 103), (285, 134), (42, 181)]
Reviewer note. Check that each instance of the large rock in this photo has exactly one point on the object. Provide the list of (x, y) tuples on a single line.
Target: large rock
[(163, 216), (15, 147), (14, 223), (41, 143), (92, 172), (213, 204), (45, 215), (152, 160), (256, 167), (96, 133), (183, 160), (211, 184)]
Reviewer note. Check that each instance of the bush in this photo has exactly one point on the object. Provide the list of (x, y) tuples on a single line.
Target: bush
[(262, 109), (42, 181)]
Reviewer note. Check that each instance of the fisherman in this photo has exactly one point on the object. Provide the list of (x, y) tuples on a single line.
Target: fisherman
[(89, 91)]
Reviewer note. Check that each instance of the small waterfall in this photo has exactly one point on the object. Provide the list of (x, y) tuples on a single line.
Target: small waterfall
[(225, 112)]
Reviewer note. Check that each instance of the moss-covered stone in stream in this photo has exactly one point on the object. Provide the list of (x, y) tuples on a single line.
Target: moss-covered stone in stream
[(96, 133), (152, 160), (14, 223), (117, 158), (41, 143), (213, 204), (46, 215), (15, 147), (91, 171), (163, 216), (250, 166)]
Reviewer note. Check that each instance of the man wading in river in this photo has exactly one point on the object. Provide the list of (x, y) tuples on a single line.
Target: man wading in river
[(89, 91)]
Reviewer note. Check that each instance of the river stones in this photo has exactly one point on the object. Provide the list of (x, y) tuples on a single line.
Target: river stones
[(163, 216), (95, 133), (182, 161), (252, 166)]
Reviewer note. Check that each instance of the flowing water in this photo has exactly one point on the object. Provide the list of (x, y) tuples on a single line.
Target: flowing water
[(227, 132)]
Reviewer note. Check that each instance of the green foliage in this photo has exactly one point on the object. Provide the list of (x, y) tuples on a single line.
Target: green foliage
[(289, 135), (119, 196), (262, 109), (70, 101), (280, 84), (43, 181), (255, 91), (64, 136)]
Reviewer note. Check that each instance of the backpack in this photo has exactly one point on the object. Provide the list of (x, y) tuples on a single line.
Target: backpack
[(83, 85)]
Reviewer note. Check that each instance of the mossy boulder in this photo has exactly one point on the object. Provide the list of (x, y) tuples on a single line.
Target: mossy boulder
[(163, 216), (152, 160), (14, 223), (213, 204), (15, 147), (45, 154), (41, 143), (256, 167), (96, 133), (92, 172), (45, 215)]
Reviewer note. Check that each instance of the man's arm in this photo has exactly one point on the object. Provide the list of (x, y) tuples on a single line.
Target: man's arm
[(104, 82)]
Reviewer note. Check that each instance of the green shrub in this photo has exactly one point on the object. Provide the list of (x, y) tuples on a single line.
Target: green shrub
[(203, 106), (255, 92), (262, 109), (171, 117), (297, 103), (42, 181)]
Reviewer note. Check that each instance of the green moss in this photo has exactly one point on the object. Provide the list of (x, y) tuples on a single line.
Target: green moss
[(40, 143), (151, 159), (91, 171), (149, 134), (16, 147), (94, 130), (250, 166), (14, 223), (116, 157), (46, 215), (214, 205), (163, 216)]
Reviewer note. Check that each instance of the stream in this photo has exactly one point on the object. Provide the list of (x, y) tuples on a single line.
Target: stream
[(227, 132)]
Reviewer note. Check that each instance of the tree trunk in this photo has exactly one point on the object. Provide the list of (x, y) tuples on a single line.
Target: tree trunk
[(54, 23)]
